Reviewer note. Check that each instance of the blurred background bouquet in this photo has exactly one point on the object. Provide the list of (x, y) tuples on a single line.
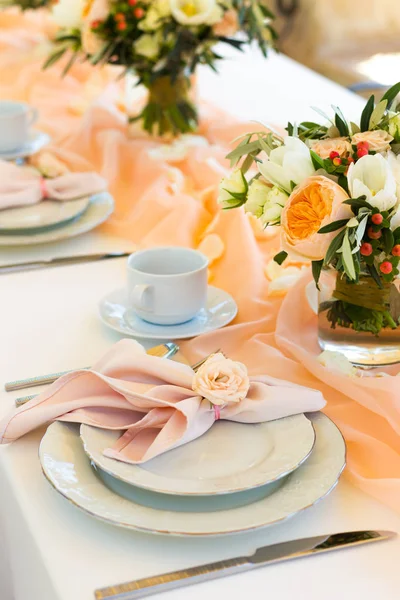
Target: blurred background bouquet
[(161, 42)]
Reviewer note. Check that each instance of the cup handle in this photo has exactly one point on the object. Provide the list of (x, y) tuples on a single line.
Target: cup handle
[(33, 116), (142, 298)]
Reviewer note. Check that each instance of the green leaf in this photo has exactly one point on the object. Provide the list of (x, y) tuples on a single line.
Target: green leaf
[(388, 240), (342, 181), (366, 113), (357, 203), (324, 115), (361, 230), (289, 129), (334, 247), (317, 161), (375, 275), (281, 257), (264, 146), (340, 122), (354, 128), (391, 94), (348, 260), (316, 267), (334, 226), (377, 114), (53, 58), (240, 151)]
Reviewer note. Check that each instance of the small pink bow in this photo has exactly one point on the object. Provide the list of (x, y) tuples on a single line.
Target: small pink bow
[(21, 186)]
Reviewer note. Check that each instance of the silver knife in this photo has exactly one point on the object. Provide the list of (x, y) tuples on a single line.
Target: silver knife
[(61, 261), (263, 556), (166, 350)]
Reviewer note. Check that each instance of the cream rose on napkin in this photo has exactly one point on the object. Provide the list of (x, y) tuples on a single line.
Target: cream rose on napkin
[(221, 380)]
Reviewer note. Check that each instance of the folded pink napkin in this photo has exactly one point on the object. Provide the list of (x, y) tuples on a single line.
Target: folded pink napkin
[(21, 186), (159, 404)]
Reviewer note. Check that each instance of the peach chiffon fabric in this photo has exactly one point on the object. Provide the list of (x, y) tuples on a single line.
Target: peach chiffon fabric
[(160, 202)]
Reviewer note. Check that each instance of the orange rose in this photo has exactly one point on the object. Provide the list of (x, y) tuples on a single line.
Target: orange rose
[(378, 140), (323, 148), (315, 203)]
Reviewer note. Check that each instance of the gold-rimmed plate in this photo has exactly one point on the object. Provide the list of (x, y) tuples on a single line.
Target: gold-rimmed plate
[(229, 458), (70, 472)]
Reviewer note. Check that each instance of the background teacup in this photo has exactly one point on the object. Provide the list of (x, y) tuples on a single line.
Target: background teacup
[(16, 119), (168, 285)]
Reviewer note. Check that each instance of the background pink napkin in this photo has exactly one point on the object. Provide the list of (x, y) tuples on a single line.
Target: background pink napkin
[(21, 186), (152, 400)]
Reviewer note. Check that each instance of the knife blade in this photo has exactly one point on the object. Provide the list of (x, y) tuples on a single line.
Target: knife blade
[(142, 588), (61, 261)]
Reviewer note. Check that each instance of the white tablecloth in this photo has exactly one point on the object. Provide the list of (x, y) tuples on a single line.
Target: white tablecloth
[(49, 550)]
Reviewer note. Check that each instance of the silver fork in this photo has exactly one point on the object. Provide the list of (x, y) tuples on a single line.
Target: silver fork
[(24, 399)]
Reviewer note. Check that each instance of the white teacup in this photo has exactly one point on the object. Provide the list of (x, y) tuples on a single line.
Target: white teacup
[(16, 119), (168, 285)]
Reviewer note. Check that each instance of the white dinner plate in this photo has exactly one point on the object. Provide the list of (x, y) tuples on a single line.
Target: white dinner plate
[(69, 470), (99, 209), (35, 217), (116, 313), (37, 139), (229, 458)]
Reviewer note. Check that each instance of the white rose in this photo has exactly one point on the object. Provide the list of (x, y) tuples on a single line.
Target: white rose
[(371, 176), (196, 12), (336, 361), (233, 190), (221, 380), (273, 207), (69, 13), (257, 197), (291, 162), (148, 45), (154, 15)]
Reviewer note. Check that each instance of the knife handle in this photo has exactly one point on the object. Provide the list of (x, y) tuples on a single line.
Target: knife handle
[(163, 351), (142, 588)]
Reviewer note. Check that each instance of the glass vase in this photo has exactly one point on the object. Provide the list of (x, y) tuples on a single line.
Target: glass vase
[(360, 320), (169, 109)]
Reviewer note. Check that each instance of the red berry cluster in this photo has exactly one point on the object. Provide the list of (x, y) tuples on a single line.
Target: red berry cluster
[(376, 244), (121, 18), (362, 149), (337, 160)]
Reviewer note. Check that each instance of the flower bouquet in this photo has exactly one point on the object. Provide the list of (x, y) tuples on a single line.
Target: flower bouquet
[(162, 42), (26, 4), (334, 190)]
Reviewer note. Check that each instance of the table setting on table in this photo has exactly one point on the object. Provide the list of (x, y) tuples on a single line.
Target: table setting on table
[(216, 392)]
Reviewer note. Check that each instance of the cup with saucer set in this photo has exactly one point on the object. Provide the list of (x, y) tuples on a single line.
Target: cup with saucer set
[(18, 139), (167, 297)]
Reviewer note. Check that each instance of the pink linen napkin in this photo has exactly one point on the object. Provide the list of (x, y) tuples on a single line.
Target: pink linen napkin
[(152, 400), (21, 186)]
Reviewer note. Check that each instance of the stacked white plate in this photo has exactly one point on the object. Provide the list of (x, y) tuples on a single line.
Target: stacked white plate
[(51, 221), (235, 478)]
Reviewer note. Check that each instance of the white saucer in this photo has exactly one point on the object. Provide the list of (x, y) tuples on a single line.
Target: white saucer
[(37, 139), (115, 313), (229, 458), (44, 214)]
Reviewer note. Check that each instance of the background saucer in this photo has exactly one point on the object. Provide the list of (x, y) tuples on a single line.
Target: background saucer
[(221, 309), (37, 140)]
